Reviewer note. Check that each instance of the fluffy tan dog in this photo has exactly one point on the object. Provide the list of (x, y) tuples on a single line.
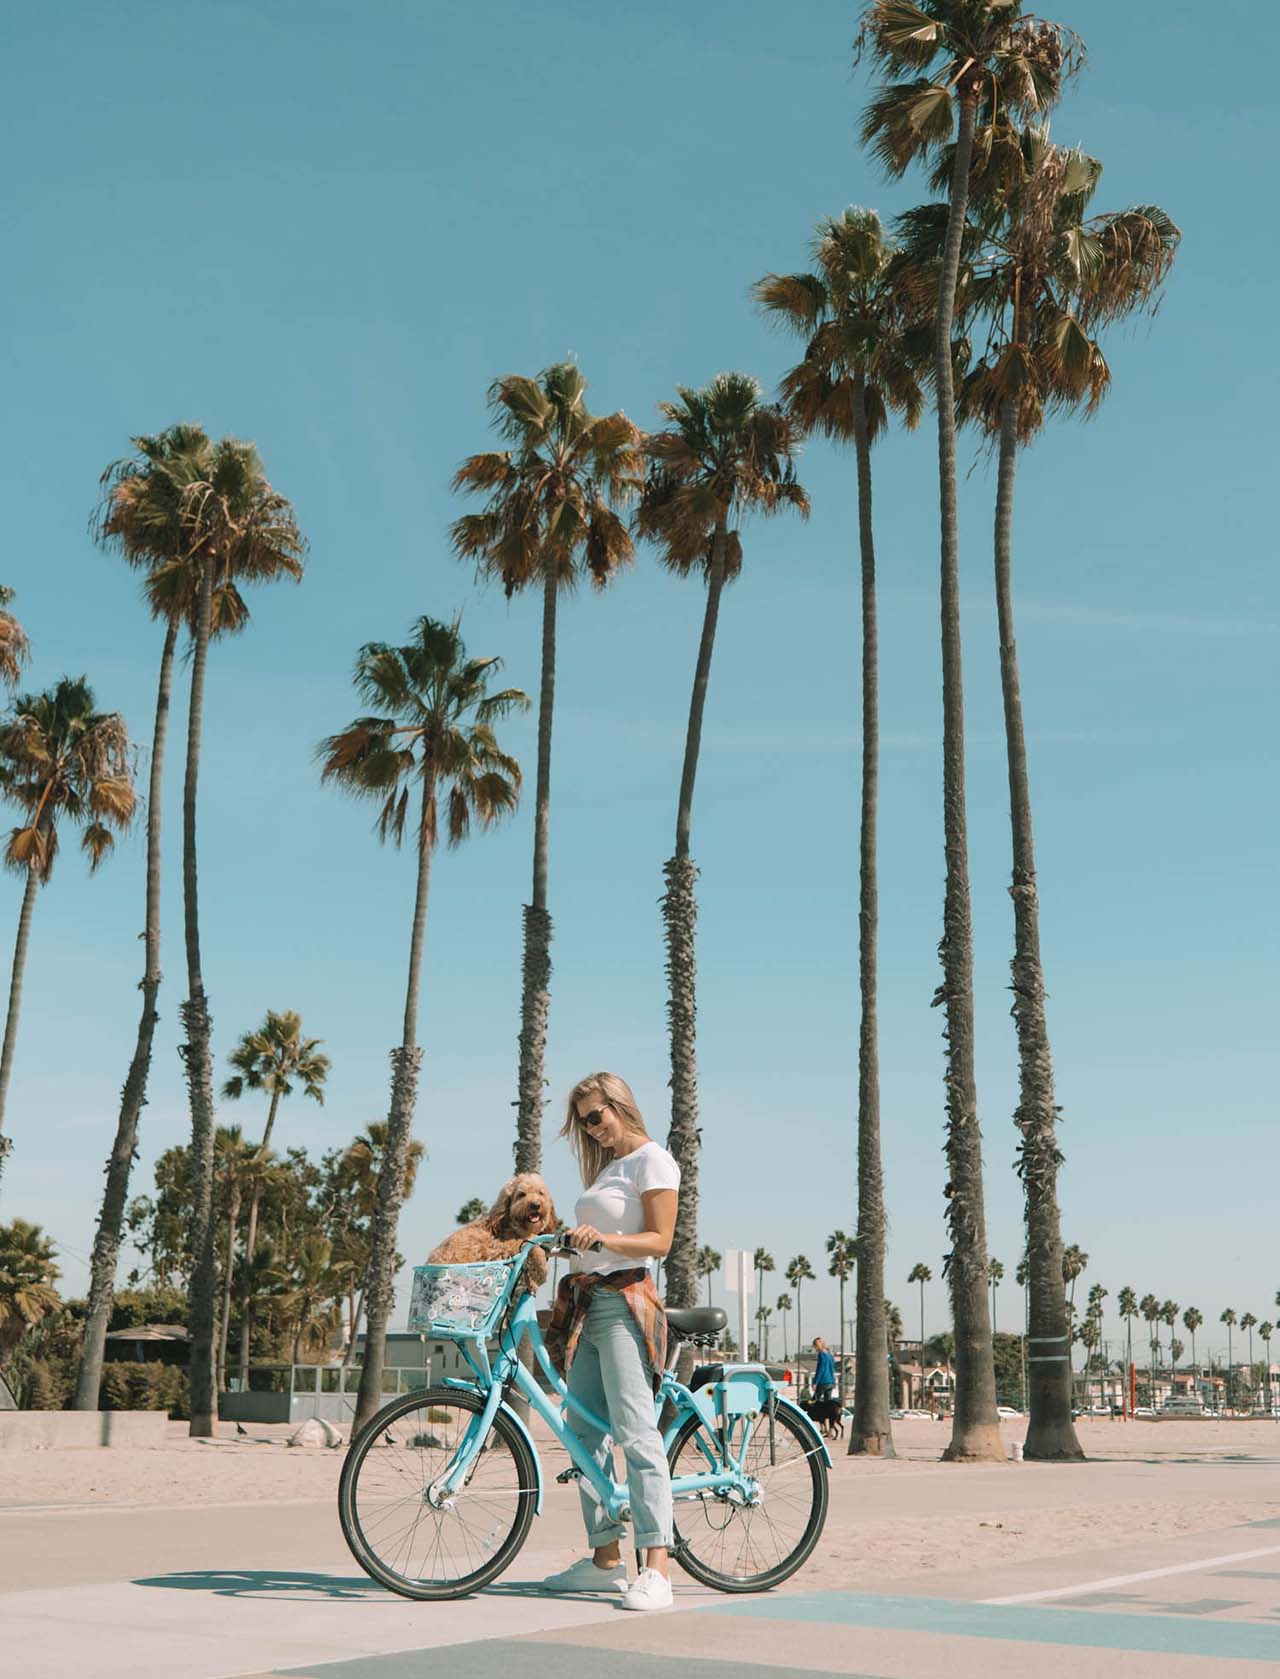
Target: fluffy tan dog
[(523, 1208)]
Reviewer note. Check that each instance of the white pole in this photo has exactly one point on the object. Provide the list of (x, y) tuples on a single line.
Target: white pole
[(744, 1290)]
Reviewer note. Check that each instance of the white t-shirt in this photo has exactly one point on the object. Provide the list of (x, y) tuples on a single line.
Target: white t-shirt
[(612, 1203)]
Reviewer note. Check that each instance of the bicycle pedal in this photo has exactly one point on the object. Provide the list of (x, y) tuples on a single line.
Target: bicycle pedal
[(572, 1473)]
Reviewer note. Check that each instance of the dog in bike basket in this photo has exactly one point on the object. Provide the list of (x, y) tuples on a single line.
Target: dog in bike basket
[(522, 1208)]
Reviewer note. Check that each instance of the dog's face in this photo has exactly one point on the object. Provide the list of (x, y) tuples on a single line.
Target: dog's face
[(524, 1207)]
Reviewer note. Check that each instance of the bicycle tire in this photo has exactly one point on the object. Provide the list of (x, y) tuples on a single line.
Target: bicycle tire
[(366, 1554), (686, 1554)]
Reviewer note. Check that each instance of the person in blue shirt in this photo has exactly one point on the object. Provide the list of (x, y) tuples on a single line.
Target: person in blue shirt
[(824, 1376)]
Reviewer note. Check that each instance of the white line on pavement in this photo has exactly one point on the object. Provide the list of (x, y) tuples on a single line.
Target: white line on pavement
[(1129, 1579)]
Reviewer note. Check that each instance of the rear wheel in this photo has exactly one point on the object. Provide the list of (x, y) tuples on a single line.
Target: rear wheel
[(401, 1530), (749, 1548)]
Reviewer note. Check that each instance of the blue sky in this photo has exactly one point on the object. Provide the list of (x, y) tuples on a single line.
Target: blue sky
[(328, 231)]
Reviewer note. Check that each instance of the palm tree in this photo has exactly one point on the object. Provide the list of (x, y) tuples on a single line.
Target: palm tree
[(15, 649), (919, 1273), (995, 1273), (58, 758), (1229, 1318), (1192, 1318), (309, 1303), (1075, 1262), (550, 520), (762, 1261), (234, 1165), (273, 1057), (1169, 1315), (725, 456), (1149, 1306), (207, 515), (1127, 1305), (433, 726), (862, 360), (784, 1304), (763, 1314), (1264, 1331), (362, 1166), (27, 1277), (797, 1272), (987, 58), (843, 1254), (1248, 1322), (140, 517), (471, 1210), (709, 1262)]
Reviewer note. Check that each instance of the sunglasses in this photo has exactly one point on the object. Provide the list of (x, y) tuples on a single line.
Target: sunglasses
[(589, 1121)]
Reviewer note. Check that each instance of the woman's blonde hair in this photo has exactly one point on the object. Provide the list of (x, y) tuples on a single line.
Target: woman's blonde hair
[(614, 1092)]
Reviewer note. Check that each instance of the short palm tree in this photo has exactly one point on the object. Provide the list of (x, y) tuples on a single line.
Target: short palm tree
[(784, 1304), (235, 1161), (432, 727), (27, 1277), (1229, 1318), (920, 1273), (1075, 1262), (763, 1314), (762, 1261), (862, 361), (313, 1287), (15, 649), (799, 1271), (1264, 1332), (362, 1167), (1192, 1318), (995, 1276), (470, 1210), (272, 1058), (709, 1262), (1149, 1306), (724, 455), (842, 1255), (551, 520), (60, 760), (986, 57), (1248, 1322)]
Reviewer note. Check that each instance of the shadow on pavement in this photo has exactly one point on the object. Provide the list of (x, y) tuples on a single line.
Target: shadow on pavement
[(277, 1583)]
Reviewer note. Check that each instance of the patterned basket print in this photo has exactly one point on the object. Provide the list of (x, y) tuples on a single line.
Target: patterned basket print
[(457, 1299)]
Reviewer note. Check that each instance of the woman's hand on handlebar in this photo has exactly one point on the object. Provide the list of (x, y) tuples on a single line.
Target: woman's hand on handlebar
[(584, 1236)]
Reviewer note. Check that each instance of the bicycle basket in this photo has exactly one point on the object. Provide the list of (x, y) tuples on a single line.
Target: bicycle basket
[(458, 1299)]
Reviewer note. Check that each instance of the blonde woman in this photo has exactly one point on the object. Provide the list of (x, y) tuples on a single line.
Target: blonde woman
[(608, 1333)]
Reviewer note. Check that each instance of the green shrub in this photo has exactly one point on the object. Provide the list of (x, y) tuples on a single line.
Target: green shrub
[(145, 1387)]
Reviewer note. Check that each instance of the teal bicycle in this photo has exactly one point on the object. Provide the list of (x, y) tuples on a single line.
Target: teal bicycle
[(439, 1490)]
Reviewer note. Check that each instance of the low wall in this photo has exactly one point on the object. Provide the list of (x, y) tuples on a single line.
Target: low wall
[(25, 1430)]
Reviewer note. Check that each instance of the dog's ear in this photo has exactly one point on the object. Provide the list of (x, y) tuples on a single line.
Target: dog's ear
[(497, 1214)]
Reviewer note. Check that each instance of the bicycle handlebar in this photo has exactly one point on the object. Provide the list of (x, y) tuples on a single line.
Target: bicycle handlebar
[(562, 1248)]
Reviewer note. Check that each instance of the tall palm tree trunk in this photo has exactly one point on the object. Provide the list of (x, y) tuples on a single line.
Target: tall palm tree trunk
[(535, 990), (15, 1000), (870, 1432), (233, 1229), (680, 913), (405, 1064), (197, 1057), (1051, 1433), (251, 1246), (975, 1431), (106, 1246)]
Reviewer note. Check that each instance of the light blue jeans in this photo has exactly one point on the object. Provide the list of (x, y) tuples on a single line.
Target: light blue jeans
[(610, 1375)]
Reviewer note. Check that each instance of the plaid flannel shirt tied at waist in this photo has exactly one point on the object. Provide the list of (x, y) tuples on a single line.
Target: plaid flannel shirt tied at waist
[(573, 1297)]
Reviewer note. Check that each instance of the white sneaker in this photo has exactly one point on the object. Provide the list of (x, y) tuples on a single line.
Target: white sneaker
[(584, 1576), (649, 1590)]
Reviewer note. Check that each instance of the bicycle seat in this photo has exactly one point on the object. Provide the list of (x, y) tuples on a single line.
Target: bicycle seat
[(697, 1320)]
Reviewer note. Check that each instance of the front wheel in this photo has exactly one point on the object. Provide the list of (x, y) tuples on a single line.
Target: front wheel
[(400, 1528), (749, 1548)]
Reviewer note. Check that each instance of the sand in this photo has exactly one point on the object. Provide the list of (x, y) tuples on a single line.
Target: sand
[(889, 1519)]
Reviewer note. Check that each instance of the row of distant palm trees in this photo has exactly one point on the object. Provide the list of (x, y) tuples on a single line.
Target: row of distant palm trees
[(990, 300)]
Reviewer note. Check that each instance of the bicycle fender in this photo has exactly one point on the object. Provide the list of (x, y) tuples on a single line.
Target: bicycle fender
[(474, 1387), (790, 1406)]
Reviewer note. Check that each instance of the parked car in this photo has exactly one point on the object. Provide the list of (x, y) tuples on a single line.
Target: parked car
[(1143, 1411), (1007, 1411)]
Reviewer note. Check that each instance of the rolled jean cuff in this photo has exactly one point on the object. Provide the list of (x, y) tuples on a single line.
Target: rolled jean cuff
[(609, 1536), (646, 1541)]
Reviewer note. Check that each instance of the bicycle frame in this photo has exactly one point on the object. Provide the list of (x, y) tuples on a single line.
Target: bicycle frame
[(507, 1370)]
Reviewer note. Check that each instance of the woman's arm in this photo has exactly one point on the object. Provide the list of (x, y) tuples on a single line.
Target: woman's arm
[(651, 1243)]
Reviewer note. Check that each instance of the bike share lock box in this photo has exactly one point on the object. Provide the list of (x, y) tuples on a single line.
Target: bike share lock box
[(724, 1391)]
